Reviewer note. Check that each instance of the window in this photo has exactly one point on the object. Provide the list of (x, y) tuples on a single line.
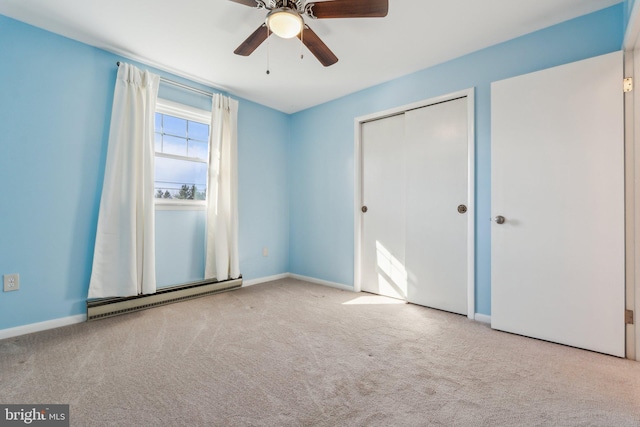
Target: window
[(182, 152)]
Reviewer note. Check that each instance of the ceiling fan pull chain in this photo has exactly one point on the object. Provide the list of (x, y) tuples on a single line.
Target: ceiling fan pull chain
[(302, 44), (268, 44)]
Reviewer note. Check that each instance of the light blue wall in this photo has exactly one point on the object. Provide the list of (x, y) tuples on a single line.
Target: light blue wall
[(55, 106), (322, 145), (263, 205), (54, 101), (179, 246)]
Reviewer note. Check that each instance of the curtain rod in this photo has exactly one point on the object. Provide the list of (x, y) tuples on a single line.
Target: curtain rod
[(181, 85)]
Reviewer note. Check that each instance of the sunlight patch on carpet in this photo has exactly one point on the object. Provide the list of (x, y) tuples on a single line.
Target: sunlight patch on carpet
[(373, 300)]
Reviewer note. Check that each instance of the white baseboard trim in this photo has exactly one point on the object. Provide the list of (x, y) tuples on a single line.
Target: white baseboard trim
[(483, 318), (321, 282), (42, 326), (259, 280), (281, 276)]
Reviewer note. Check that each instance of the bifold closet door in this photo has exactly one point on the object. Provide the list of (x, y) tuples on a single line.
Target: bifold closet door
[(558, 194), (436, 139), (383, 225)]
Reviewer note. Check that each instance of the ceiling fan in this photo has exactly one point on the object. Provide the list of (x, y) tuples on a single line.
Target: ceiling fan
[(285, 19)]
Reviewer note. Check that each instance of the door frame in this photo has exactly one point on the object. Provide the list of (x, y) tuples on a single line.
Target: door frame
[(630, 47), (358, 187)]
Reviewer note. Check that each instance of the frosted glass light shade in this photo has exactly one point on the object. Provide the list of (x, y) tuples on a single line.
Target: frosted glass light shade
[(284, 23)]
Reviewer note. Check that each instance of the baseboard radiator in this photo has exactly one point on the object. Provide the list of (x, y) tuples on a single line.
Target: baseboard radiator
[(108, 307)]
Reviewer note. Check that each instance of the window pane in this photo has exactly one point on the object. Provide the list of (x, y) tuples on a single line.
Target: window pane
[(158, 140), (173, 145), (177, 179), (198, 149), (174, 126), (198, 131), (158, 120)]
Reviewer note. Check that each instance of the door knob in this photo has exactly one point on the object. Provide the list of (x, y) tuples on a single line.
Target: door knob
[(499, 219), (364, 209), (462, 209)]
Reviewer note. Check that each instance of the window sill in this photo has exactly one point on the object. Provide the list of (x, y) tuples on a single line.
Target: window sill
[(180, 205)]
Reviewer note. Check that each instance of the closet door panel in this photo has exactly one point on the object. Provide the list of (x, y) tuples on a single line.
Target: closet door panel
[(383, 224), (436, 139)]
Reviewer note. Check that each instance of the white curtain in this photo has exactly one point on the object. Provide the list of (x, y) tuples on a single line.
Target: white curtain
[(221, 252), (124, 256)]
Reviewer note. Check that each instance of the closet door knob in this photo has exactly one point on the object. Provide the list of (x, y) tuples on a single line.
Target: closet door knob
[(365, 209), (499, 219)]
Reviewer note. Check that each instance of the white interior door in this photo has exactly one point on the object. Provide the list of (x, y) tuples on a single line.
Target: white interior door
[(557, 179), (383, 226), (436, 171)]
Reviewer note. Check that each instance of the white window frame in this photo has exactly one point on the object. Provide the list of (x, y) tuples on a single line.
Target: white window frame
[(164, 106)]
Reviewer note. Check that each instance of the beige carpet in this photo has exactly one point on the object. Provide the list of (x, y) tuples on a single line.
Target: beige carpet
[(289, 353)]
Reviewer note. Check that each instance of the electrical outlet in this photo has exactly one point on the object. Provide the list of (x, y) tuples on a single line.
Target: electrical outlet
[(265, 251), (11, 282)]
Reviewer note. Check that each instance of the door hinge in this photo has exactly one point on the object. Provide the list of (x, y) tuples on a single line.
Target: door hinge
[(628, 84), (628, 317)]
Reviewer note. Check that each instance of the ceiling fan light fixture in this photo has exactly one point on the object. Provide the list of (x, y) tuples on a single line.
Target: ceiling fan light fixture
[(284, 22)]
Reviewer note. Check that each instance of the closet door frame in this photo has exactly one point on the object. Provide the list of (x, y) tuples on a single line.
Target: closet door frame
[(358, 187)]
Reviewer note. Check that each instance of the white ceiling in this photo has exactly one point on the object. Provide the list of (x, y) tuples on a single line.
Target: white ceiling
[(196, 39)]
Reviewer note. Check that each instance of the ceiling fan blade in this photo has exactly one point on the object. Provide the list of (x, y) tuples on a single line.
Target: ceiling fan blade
[(350, 9), (251, 3), (253, 41), (317, 47)]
